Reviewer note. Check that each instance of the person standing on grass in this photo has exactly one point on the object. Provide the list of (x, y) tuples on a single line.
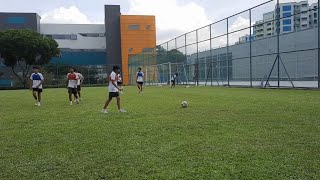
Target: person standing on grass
[(173, 80), (113, 90), (36, 79), (72, 85), (80, 80), (140, 76)]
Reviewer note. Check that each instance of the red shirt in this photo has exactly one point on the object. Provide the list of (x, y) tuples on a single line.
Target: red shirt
[(72, 76)]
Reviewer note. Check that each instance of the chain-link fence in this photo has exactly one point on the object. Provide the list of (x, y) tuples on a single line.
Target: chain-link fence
[(272, 44), (56, 75)]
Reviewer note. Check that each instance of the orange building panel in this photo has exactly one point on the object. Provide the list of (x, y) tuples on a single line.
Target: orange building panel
[(137, 33)]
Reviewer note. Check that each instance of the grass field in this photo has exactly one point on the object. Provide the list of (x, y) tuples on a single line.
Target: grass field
[(224, 134)]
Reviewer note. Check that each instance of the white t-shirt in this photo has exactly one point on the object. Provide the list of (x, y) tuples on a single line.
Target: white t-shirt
[(113, 77), (140, 76), (173, 77), (80, 78), (36, 80), (72, 80)]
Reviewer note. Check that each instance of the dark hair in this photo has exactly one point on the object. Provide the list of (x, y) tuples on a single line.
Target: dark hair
[(72, 68), (35, 67), (139, 69), (116, 68)]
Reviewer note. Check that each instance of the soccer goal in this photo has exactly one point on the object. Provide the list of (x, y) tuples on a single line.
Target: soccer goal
[(160, 74)]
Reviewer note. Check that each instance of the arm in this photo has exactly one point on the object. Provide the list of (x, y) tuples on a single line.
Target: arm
[(115, 85), (42, 80), (81, 79)]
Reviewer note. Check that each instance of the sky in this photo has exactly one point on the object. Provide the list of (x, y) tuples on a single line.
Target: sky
[(173, 17)]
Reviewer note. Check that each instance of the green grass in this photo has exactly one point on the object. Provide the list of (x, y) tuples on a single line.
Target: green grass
[(224, 134)]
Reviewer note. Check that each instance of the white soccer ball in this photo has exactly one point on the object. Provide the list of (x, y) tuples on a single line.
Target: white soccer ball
[(184, 104)]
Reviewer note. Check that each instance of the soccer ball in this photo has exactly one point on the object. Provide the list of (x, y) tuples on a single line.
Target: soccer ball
[(184, 104)]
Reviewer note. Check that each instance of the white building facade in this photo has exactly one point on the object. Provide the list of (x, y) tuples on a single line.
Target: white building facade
[(294, 16)]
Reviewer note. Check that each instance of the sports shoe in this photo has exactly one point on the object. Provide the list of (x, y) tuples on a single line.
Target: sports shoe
[(122, 111), (36, 104), (70, 103), (77, 101), (104, 111), (39, 104)]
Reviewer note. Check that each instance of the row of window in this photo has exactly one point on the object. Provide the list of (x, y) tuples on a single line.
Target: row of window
[(16, 20), (137, 27), (62, 36), (73, 36)]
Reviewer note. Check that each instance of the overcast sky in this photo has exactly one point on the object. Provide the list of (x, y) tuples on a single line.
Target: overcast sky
[(173, 17)]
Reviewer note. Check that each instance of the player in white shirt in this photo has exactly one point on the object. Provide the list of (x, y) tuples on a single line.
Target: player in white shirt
[(72, 85), (80, 80), (113, 90), (36, 79), (173, 80), (140, 76)]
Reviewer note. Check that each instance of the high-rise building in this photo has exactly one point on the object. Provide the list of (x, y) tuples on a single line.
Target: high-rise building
[(294, 16)]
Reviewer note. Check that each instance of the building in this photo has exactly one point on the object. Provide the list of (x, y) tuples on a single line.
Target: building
[(106, 44), (294, 16)]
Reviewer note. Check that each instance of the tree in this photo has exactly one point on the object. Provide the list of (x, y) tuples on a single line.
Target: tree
[(173, 56), (24, 48), (60, 72)]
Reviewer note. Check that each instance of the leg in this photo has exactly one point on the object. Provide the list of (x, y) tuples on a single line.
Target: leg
[(34, 93), (79, 94), (107, 103), (70, 96), (141, 87), (118, 102), (39, 97)]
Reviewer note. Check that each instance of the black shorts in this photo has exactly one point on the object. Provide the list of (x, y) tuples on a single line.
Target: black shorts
[(113, 94), (78, 88), (37, 90), (140, 83), (119, 83), (72, 90)]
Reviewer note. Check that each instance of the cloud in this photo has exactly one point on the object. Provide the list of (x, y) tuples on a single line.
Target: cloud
[(65, 15), (170, 16)]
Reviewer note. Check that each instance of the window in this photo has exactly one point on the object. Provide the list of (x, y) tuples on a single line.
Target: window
[(286, 8), (269, 24), (304, 19), (286, 22), (147, 49), (62, 36), (269, 29), (315, 15), (134, 27), (315, 21), (92, 34), (148, 27), (269, 34), (286, 28), (304, 5), (287, 14), (16, 20), (304, 26)]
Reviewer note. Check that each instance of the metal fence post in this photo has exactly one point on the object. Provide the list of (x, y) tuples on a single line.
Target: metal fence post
[(197, 67), (185, 48), (228, 78), (211, 54), (318, 10), (250, 48), (278, 40)]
